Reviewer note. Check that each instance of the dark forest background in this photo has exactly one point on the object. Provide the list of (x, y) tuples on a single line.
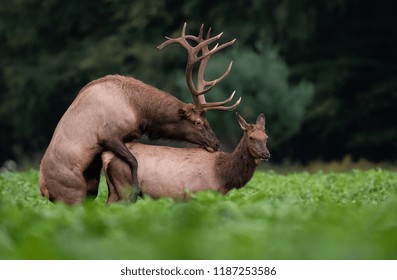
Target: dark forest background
[(323, 72)]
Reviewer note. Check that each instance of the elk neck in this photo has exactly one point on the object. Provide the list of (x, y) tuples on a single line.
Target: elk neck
[(159, 117), (237, 168)]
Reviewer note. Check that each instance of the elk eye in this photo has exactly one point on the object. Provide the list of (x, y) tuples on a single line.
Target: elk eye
[(251, 138), (198, 122)]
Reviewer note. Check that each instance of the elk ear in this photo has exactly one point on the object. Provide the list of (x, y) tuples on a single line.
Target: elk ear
[(261, 120), (244, 125), (184, 111)]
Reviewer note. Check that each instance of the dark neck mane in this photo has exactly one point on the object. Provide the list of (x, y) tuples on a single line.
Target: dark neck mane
[(237, 168), (160, 117)]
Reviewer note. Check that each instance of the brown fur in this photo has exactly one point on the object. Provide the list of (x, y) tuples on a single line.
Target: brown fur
[(169, 172), (107, 113)]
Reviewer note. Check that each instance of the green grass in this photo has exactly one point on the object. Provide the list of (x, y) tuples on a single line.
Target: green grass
[(298, 216)]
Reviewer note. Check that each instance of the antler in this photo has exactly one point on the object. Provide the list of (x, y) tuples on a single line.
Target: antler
[(203, 86)]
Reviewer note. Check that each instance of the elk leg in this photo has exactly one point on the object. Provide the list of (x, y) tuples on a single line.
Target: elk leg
[(59, 183), (92, 176), (120, 150), (69, 189), (112, 192)]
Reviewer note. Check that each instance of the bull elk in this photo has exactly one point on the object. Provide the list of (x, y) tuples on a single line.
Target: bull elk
[(110, 111), (169, 172)]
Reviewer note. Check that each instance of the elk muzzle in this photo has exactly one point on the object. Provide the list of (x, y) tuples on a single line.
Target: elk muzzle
[(212, 149), (265, 156)]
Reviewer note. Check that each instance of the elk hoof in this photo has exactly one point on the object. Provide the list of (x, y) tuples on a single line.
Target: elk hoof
[(135, 195)]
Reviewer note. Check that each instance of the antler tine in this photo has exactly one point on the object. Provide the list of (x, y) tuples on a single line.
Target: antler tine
[(219, 103), (181, 40), (206, 42), (200, 36), (221, 107), (208, 33), (184, 29), (208, 85)]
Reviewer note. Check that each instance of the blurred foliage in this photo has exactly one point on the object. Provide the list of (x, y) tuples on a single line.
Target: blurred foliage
[(300, 216), (323, 72)]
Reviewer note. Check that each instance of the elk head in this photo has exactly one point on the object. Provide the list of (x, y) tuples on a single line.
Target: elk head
[(199, 52), (195, 128), (255, 137)]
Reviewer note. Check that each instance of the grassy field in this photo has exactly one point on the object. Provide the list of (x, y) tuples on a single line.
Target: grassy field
[(349, 215)]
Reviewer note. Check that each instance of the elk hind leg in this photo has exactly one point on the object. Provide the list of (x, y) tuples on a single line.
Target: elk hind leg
[(120, 150), (70, 189), (92, 176)]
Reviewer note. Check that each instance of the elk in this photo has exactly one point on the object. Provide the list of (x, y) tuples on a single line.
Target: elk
[(113, 110), (174, 172)]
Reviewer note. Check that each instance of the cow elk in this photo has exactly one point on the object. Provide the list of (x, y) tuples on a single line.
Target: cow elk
[(113, 110), (174, 172)]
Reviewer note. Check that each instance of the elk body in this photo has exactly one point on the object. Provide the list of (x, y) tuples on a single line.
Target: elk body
[(116, 109), (169, 172)]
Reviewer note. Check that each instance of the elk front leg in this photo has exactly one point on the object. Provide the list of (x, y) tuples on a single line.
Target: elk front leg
[(120, 150), (112, 192)]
